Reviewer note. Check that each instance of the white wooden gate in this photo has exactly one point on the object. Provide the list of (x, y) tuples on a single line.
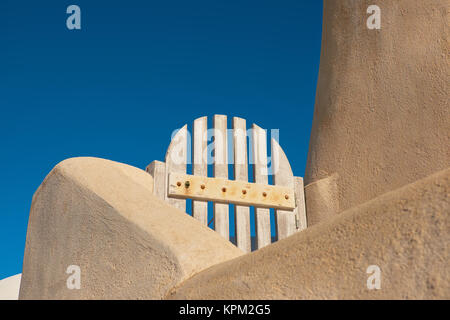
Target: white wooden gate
[(286, 195)]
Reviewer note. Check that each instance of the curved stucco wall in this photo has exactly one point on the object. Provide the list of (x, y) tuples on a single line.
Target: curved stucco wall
[(403, 232), (102, 217), (381, 116)]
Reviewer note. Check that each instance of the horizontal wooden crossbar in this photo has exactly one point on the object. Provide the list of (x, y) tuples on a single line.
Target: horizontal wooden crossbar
[(186, 186)]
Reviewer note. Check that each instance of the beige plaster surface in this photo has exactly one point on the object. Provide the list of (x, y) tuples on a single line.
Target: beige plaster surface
[(382, 114), (102, 216), (406, 233)]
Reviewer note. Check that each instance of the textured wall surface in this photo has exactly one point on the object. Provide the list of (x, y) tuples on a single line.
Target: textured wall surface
[(405, 233), (102, 216), (382, 112)]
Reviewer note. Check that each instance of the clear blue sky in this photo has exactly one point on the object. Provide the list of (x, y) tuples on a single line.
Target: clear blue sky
[(137, 70)]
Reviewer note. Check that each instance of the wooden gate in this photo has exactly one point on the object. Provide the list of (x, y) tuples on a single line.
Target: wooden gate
[(286, 195)]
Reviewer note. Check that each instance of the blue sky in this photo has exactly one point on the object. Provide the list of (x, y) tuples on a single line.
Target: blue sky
[(137, 70)]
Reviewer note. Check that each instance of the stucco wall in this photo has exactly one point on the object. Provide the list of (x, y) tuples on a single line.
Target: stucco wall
[(382, 111)]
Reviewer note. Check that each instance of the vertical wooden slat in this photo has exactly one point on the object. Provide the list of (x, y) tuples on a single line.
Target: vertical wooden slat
[(221, 221), (200, 166), (176, 160), (242, 213), (262, 215), (157, 169), (282, 176), (300, 209)]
